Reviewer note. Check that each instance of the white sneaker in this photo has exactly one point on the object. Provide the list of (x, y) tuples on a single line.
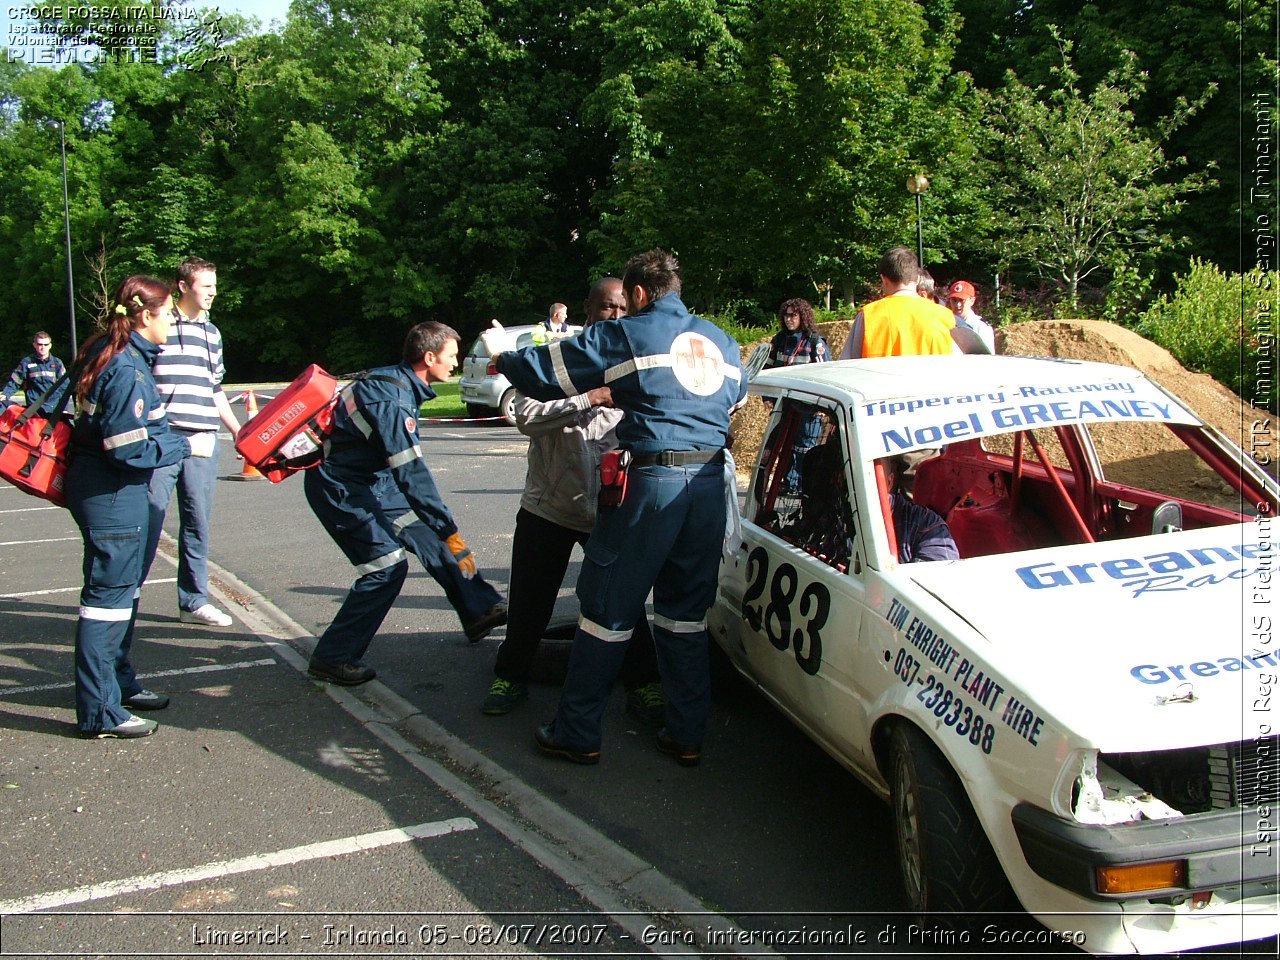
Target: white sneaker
[(209, 615)]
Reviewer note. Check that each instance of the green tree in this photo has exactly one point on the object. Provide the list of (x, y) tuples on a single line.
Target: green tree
[(1077, 187), (1184, 48), (766, 142)]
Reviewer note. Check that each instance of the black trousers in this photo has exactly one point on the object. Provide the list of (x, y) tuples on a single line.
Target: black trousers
[(540, 551)]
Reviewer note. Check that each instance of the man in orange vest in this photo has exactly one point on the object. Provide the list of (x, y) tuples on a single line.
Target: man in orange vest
[(901, 323)]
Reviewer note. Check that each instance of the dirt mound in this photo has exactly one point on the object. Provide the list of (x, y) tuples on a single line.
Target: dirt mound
[(1066, 339), (1110, 343)]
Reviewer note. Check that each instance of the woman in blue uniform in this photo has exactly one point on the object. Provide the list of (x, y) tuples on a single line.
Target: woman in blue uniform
[(120, 436)]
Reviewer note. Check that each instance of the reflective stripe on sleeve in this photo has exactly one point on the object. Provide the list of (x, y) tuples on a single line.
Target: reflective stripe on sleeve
[(603, 633), (651, 362), (404, 520), (110, 614), (404, 456), (656, 360), (679, 626), (561, 372), (361, 424), (124, 439), (387, 560)]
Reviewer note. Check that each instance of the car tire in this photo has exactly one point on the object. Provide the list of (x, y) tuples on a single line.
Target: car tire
[(507, 406), (945, 859)]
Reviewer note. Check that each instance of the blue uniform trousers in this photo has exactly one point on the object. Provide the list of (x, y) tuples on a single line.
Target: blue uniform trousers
[(110, 507), (374, 526), (666, 536), (196, 479)]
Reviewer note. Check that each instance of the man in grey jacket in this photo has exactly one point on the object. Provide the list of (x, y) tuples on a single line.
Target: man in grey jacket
[(567, 439)]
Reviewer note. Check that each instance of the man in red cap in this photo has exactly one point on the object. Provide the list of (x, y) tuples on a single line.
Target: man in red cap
[(960, 298)]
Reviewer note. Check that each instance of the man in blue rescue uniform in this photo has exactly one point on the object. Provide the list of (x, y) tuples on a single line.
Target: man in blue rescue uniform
[(677, 377), (375, 496), (35, 374)]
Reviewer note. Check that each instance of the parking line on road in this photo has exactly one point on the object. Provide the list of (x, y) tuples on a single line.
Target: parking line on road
[(30, 509), (21, 543), (203, 668), (225, 868), (246, 864), (41, 593)]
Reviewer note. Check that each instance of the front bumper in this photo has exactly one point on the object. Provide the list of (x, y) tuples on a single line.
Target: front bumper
[(1216, 846)]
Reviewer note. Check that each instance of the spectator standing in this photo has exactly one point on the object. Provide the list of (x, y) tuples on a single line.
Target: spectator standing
[(120, 437), (900, 323), (36, 373), (188, 375), (375, 496), (926, 286), (567, 439), (961, 297), (796, 342), (797, 339), (676, 377), (557, 319)]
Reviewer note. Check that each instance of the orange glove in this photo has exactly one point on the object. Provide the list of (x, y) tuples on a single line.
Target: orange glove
[(458, 547)]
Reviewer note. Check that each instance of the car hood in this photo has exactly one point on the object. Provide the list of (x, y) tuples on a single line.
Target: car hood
[(1138, 644)]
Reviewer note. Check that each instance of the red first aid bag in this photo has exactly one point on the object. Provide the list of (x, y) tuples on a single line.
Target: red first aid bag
[(33, 452), (288, 434)]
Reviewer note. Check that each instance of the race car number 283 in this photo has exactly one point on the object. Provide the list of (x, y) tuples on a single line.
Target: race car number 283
[(787, 620)]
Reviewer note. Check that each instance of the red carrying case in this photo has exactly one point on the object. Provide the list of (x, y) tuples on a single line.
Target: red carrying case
[(288, 433), (33, 452)]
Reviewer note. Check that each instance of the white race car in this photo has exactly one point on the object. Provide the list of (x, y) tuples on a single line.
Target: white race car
[(1079, 707)]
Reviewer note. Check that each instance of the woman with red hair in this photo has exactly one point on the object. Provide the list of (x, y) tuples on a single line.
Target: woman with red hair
[(120, 436)]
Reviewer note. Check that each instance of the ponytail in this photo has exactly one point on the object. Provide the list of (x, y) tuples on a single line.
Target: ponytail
[(132, 297)]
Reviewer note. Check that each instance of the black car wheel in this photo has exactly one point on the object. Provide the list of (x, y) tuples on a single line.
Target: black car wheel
[(946, 860)]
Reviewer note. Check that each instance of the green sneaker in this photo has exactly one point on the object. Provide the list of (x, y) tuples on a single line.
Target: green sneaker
[(647, 704), (503, 696)]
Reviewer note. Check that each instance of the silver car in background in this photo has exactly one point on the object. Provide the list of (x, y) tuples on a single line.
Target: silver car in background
[(485, 391)]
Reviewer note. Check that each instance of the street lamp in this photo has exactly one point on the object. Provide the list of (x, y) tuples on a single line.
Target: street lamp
[(66, 223), (917, 184)]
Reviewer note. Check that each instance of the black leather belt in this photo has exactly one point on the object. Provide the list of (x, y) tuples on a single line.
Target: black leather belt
[(675, 458)]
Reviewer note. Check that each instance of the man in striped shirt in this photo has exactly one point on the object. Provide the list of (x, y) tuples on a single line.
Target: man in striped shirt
[(188, 376)]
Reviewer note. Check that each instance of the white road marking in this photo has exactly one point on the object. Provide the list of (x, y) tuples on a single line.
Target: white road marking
[(41, 593), (30, 509), (226, 868), (19, 543), (204, 668)]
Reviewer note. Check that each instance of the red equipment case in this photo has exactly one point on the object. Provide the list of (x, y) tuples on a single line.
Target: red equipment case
[(33, 452), (287, 434)]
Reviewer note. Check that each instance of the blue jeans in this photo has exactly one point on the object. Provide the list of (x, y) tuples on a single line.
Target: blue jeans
[(196, 478), (666, 537)]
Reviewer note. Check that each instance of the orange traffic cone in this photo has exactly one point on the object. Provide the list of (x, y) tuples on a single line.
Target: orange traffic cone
[(249, 471)]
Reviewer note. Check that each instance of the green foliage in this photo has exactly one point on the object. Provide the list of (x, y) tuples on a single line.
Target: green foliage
[(373, 163), (1223, 325), (1078, 187), (1183, 49)]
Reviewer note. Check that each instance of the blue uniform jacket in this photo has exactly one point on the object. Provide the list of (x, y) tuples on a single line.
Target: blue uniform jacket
[(33, 377), (375, 433), (676, 375), (121, 422)]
